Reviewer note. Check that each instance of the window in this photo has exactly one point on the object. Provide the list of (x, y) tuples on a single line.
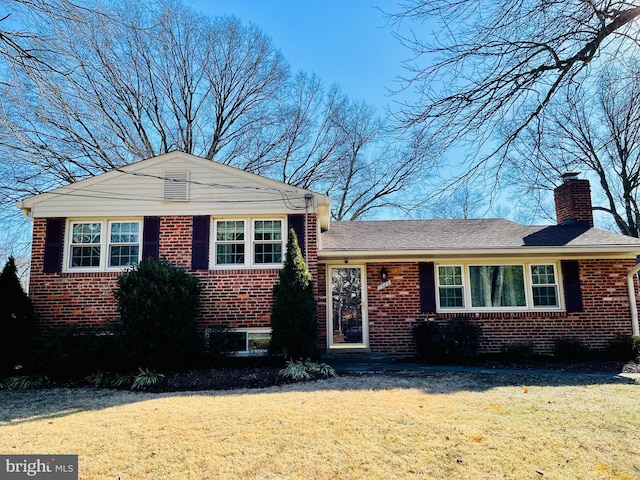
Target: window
[(124, 244), (91, 248), (248, 242), (245, 342), (85, 244), (450, 286), (268, 241), (544, 286), (498, 287), (230, 239)]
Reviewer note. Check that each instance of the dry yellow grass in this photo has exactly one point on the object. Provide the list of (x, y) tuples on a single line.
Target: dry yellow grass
[(449, 426)]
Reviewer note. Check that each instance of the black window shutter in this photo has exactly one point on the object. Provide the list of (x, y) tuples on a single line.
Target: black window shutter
[(297, 223), (571, 283), (151, 238), (427, 287), (200, 243), (53, 245)]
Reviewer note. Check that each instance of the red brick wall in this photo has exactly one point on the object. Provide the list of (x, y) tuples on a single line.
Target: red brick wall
[(68, 298), (573, 201), (394, 310), (175, 240), (241, 298)]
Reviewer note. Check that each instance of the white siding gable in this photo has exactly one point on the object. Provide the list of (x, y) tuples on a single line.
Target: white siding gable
[(142, 189)]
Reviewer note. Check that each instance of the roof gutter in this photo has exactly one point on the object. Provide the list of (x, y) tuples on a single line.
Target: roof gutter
[(629, 250)]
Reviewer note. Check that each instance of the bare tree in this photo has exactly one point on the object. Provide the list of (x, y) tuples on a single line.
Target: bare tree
[(592, 129), (464, 202), (139, 81), (126, 81), (479, 64), (321, 140)]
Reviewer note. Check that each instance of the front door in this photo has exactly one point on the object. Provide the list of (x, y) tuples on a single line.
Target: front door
[(348, 326)]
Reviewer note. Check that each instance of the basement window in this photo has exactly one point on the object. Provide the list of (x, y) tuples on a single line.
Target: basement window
[(244, 342)]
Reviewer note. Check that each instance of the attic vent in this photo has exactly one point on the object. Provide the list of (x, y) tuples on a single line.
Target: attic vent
[(176, 186)]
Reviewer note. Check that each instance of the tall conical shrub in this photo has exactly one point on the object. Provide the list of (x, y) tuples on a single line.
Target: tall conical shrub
[(294, 316), (17, 325)]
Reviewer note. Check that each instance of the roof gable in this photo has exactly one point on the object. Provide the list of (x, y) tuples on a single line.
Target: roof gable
[(140, 189)]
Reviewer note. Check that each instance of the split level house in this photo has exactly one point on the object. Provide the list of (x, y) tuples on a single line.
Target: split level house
[(374, 279)]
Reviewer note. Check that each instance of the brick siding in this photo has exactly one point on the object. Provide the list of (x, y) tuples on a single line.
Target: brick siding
[(243, 297), (393, 311), (239, 297)]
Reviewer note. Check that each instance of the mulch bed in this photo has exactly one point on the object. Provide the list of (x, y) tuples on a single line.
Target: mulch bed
[(262, 376), (224, 378)]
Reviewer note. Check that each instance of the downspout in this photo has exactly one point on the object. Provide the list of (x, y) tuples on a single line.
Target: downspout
[(307, 198), (632, 300)]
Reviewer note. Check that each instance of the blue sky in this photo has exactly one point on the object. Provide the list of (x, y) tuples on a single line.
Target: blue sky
[(346, 42)]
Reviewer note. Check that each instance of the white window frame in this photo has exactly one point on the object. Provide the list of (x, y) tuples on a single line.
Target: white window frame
[(105, 244), (528, 286), (555, 285), (249, 243), (254, 242), (248, 331), (215, 242), (462, 287)]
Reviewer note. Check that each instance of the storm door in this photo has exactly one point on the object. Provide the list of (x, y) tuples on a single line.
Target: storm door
[(348, 325)]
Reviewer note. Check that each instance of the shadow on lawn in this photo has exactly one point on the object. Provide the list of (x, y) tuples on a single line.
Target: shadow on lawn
[(21, 406)]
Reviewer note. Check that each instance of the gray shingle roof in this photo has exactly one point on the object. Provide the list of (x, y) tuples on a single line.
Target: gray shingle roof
[(468, 234)]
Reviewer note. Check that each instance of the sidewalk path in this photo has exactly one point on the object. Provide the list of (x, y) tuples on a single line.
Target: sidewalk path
[(355, 367)]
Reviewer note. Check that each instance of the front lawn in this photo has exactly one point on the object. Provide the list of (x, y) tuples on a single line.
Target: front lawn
[(410, 425)]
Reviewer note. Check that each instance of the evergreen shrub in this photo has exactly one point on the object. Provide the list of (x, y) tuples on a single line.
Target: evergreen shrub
[(571, 349), (624, 348), (456, 341), (294, 316), (518, 352), (158, 302), (72, 351), (17, 322)]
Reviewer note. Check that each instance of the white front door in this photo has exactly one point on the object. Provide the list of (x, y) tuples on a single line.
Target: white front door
[(347, 312)]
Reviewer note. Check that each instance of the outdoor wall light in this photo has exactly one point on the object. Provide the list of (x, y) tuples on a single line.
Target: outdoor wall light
[(383, 274)]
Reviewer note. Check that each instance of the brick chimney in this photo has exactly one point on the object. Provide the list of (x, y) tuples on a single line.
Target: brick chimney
[(573, 201)]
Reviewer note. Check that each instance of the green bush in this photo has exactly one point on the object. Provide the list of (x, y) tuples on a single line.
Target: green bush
[(518, 352), (72, 351), (294, 317), (428, 336), (572, 349), (17, 324), (158, 302), (456, 341), (624, 348), (218, 344)]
